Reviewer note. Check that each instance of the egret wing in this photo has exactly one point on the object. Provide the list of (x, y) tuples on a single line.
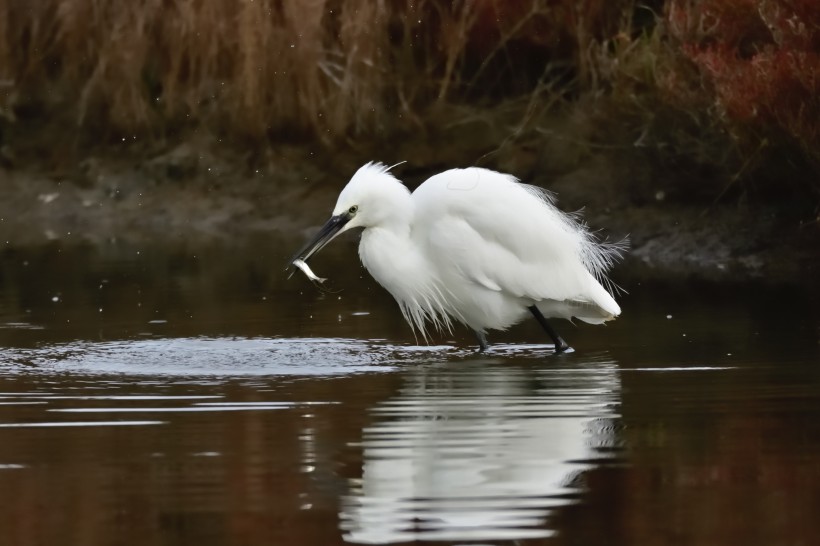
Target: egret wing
[(468, 251), (492, 231)]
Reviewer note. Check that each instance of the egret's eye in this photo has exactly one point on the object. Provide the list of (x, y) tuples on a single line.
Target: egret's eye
[(353, 210)]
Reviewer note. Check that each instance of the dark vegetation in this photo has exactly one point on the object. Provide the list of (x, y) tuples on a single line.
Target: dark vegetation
[(700, 102)]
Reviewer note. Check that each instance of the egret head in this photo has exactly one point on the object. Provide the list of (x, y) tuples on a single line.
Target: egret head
[(372, 198)]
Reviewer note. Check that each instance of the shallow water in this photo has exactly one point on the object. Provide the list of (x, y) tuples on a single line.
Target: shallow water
[(198, 396)]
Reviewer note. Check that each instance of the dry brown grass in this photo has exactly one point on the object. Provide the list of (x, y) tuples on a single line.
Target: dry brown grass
[(331, 68), (252, 66)]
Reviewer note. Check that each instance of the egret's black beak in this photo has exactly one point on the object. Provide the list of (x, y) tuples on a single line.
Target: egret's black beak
[(331, 228)]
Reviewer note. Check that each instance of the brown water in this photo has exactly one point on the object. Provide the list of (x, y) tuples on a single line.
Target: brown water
[(196, 396)]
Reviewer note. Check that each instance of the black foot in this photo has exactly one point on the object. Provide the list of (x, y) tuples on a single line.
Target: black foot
[(482, 341), (561, 346)]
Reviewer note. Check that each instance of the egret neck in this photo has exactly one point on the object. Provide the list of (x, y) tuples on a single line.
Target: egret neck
[(387, 252)]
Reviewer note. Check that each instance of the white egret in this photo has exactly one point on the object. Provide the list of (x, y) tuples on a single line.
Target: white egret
[(474, 246)]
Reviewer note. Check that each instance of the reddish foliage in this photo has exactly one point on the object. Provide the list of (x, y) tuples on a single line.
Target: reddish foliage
[(760, 57)]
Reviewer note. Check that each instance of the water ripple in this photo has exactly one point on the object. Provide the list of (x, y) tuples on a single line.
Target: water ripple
[(210, 356)]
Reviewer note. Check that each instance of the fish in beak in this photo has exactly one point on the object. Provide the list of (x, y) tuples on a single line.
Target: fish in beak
[(326, 234)]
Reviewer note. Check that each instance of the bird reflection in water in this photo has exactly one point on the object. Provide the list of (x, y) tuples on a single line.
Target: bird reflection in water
[(465, 453)]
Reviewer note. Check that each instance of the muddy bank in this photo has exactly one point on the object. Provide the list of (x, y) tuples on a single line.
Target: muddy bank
[(200, 190)]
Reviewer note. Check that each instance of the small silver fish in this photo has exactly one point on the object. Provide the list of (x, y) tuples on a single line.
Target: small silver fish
[(307, 271)]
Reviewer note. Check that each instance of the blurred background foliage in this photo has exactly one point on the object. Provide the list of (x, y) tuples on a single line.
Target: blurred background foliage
[(721, 86)]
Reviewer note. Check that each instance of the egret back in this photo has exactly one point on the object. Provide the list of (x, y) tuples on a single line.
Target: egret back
[(483, 229)]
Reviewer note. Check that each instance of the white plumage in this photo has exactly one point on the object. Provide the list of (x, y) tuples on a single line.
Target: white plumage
[(474, 246)]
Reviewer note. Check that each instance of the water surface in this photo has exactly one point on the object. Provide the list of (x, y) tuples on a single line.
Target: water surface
[(198, 396)]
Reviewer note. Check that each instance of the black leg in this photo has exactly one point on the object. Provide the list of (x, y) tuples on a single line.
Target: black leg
[(482, 341), (560, 344)]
